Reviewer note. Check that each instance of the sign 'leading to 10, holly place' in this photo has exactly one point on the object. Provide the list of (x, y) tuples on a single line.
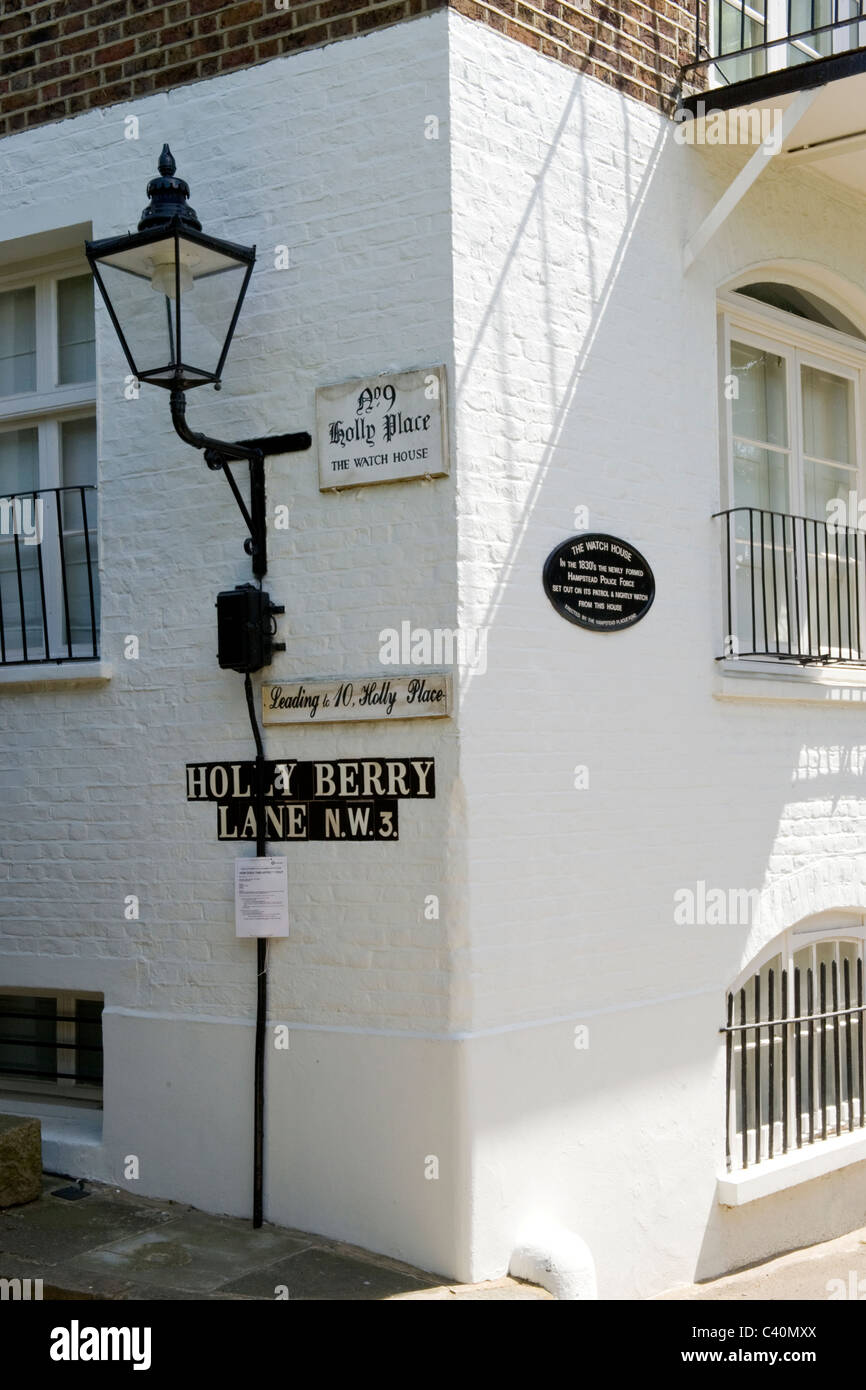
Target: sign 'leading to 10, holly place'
[(382, 429)]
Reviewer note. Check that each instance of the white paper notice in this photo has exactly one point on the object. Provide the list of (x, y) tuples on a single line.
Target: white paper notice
[(262, 896)]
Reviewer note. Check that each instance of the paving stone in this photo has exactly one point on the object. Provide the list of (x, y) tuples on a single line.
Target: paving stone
[(492, 1289), (116, 1246), (323, 1274), (192, 1252), (51, 1230), (20, 1160), (163, 1293), (834, 1270)]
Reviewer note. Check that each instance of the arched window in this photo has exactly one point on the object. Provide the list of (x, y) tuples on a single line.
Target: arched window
[(792, 413), (804, 304), (794, 1047)]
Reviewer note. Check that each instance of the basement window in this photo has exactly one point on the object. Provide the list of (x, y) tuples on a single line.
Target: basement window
[(794, 1048), (51, 1046)]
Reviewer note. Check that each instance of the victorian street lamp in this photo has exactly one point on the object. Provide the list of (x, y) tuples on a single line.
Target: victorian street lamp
[(174, 294)]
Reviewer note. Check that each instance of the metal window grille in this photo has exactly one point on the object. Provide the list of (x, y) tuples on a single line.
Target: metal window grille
[(49, 591), (735, 40), (793, 588), (794, 1057), (51, 1044)]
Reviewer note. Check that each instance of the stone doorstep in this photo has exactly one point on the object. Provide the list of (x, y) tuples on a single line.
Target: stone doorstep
[(20, 1160)]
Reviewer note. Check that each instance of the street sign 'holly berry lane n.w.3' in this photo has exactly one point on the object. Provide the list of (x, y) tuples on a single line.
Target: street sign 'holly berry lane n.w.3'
[(337, 799)]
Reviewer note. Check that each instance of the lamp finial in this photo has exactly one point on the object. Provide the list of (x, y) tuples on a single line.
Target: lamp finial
[(168, 198), (167, 163)]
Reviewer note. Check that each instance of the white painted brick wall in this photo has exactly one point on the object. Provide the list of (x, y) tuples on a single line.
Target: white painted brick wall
[(324, 152), (586, 376), (535, 249)]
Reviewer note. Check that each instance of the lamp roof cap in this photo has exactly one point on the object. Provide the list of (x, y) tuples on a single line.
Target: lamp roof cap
[(168, 198)]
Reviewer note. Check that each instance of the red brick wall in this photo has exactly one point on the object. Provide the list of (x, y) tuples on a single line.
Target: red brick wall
[(637, 46), (59, 57), (64, 56)]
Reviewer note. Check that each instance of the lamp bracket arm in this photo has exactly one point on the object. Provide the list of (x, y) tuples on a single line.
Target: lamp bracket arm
[(250, 449), (218, 454)]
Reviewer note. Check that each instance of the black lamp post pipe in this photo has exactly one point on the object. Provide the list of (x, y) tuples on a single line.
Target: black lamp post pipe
[(261, 982), (168, 218), (241, 448), (239, 451)]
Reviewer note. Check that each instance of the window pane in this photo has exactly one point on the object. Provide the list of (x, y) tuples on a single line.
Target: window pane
[(828, 403), (760, 410), (19, 473), (766, 599), (78, 466), (76, 349), (738, 30), (30, 1050), (17, 342), (825, 952), (19, 461), (733, 30), (806, 14), (803, 303), (760, 478), (88, 1064), (763, 553), (804, 1001), (78, 470), (849, 1030), (824, 484)]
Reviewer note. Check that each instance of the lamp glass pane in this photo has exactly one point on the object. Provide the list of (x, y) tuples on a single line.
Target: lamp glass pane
[(146, 319), (207, 312), (142, 285), (142, 260)]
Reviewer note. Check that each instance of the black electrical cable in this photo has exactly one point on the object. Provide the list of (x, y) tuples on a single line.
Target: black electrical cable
[(261, 980), (257, 735)]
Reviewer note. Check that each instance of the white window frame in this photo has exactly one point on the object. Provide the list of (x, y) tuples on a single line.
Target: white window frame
[(84, 1093), (802, 343), (46, 409)]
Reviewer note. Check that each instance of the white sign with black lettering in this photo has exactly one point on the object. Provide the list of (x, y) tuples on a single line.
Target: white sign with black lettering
[(382, 429), (262, 897), (426, 695)]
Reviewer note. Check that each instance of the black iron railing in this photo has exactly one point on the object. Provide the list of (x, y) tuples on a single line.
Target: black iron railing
[(49, 582), (799, 1077), (740, 39), (793, 588), (46, 1034)]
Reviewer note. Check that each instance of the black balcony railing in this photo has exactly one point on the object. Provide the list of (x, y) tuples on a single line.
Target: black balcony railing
[(49, 582), (736, 40), (793, 588)]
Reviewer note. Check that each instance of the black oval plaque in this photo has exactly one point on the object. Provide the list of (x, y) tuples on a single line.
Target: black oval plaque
[(599, 582)]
